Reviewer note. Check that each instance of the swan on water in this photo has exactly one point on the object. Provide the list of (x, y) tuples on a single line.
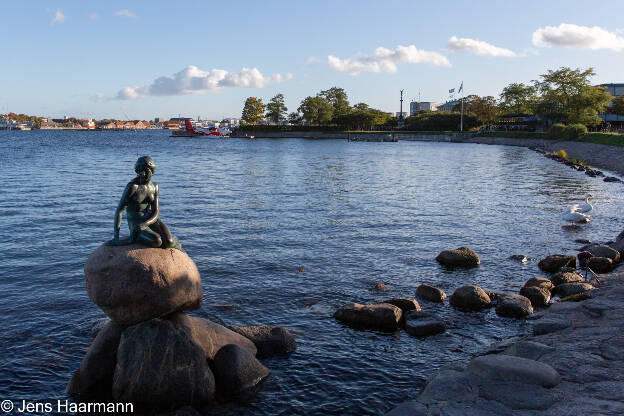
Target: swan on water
[(575, 216), (586, 207)]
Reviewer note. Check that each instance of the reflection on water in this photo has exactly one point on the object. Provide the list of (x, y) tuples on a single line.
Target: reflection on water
[(253, 214)]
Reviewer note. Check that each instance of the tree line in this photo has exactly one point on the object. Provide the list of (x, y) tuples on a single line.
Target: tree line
[(563, 95)]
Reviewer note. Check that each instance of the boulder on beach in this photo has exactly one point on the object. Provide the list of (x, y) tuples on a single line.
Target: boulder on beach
[(94, 377), (461, 257), (566, 275), (382, 316), (600, 264), (430, 293), (601, 250), (501, 367), (553, 263), (537, 295), (470, 297), (513, 306), (421, 324), (540, 282), (406, 304), (134, 283), (160, 367), (568, 289), (269, 340), (236, 369), (210, 336)]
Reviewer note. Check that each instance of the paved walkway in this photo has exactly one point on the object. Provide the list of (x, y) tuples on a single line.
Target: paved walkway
[(573, 364)]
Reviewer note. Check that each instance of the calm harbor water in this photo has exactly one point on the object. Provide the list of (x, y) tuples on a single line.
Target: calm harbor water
[(283, 232)]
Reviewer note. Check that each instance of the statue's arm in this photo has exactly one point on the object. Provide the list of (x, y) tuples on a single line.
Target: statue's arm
[(121, 207), (155, 208)]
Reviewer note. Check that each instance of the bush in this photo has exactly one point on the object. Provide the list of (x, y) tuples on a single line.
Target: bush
[(440, 121), (575, 131), (556, 131), (561, 153)]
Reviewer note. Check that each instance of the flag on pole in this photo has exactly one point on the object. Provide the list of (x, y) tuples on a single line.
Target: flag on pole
[(452, 90), (461, 87)]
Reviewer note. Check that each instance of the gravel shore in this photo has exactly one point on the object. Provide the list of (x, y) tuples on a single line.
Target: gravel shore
[(573, 364)]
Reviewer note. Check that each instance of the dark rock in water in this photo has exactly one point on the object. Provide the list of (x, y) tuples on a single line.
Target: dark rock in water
[(380, 287), (430, 293), (461, 257), (577, 297), (269, 340), (94, 377), (421, 324), (513, 306), (582, 241), (603, 250), (540, 282), (562, 277), (237, 370), (382, 316), (519, 257), (134, 283), (160, 367), (568, 289), (600, 264), (612, 179), (556, 261), (209, 335), (471, 298), (406, 304), (539, 296)]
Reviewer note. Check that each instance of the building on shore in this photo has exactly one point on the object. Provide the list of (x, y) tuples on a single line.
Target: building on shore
[(418, 106), (611, 121), (449, 106)]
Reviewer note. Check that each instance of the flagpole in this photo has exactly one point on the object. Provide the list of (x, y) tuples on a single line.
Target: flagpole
[(461, 119)]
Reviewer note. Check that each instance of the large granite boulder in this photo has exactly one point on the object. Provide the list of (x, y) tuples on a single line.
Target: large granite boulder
[(421, 324), (237, 370), (513, 306), (600, 264), (210, 336), (382, 316), (160, 367), (553, 263), (498, 367), (470, 297), (430, 293), (566, 275), (539, 296), (134, 283), (600, 250), (405, 304), (269, 340), (94, 377), (461, 257), (541, 282), (568, 289)]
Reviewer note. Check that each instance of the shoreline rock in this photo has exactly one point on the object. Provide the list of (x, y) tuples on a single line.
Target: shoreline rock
[(461, 257), (381, 316), (471, 298), (430, 293)]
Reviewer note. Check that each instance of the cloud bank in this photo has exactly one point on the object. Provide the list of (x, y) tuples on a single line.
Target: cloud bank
[(125, 13), (59, 17), (385, 60), (477, 47), (192, 80), (578, 37)]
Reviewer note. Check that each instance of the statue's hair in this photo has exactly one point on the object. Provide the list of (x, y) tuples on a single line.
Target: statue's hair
[(143, 162)]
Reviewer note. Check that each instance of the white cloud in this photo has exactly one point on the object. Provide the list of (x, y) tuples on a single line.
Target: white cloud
[(192, 80), (385, 60), (94, 16), (59, 17), (478, 47), (98, 97), (578, 37), (313, 60), (125, 13)]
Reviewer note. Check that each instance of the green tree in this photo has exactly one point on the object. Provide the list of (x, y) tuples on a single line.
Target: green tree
[(316, 110), (253, 111), (617, 105), (276, 109), (337, 97), (485, 108), (566, 95), (518, 98), (295, 118)]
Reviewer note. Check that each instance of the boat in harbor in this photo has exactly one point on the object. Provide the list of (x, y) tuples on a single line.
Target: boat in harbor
[(190, 131)]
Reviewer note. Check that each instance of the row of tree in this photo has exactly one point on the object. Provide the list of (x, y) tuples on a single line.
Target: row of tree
[(564, 95)]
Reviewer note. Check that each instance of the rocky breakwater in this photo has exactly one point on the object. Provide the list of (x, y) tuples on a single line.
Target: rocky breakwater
[(151, 353)]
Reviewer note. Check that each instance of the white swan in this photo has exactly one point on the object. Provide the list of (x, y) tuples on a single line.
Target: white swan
[(575, 217), (586, 207)]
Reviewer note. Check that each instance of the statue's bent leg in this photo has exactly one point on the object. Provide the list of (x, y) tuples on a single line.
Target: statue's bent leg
[(149, 238), (165, 234)]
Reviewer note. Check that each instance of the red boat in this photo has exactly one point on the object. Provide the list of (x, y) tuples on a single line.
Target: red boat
[(191, 132)]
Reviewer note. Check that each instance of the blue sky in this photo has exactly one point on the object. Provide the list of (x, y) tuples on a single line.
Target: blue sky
[(102, 59)]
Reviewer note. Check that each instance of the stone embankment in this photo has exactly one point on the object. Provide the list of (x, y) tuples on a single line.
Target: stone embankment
[(572, 364)]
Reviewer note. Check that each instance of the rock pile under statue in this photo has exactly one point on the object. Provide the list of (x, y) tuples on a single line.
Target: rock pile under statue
[(151, 353)]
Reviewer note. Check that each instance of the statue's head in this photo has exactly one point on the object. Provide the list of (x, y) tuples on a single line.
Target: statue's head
[(145, 168)]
